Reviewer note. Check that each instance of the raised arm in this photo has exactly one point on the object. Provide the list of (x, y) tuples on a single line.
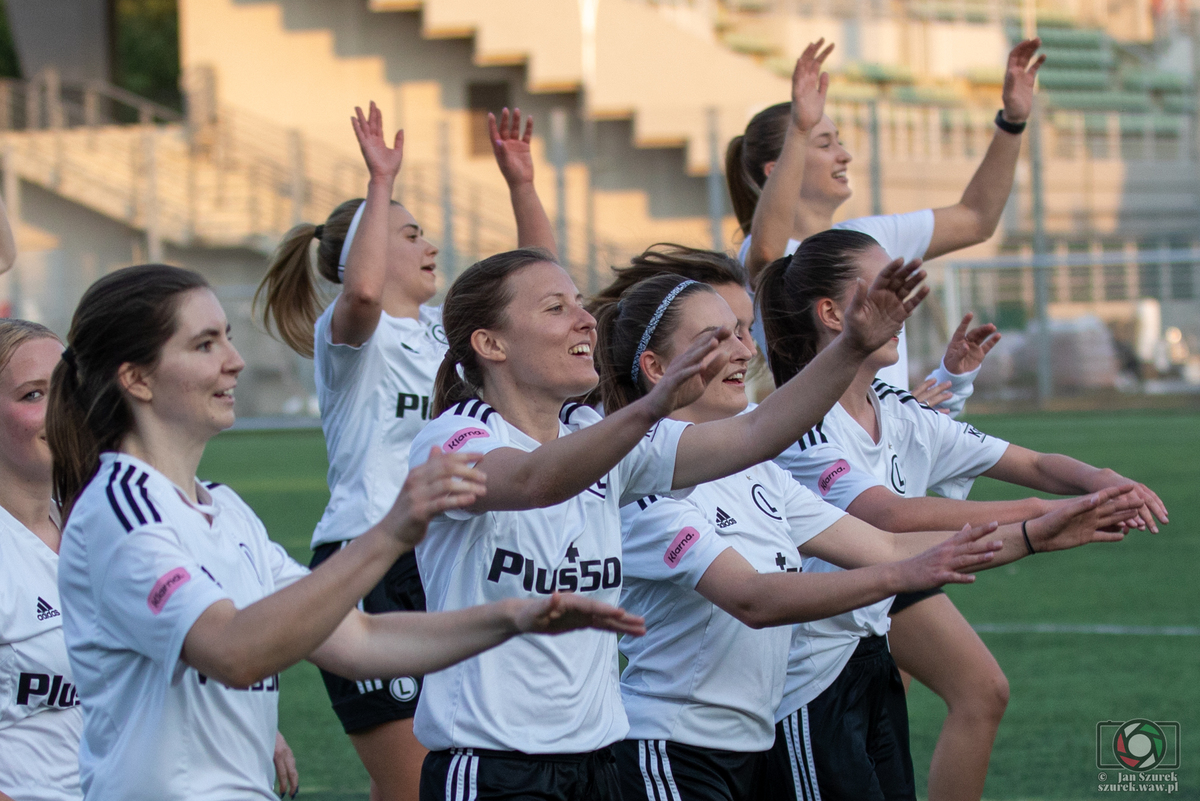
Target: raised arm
[(357, 309), (975, 217), (712, 450), (513, 155), (776, 210), (239, 647), (563, 468)]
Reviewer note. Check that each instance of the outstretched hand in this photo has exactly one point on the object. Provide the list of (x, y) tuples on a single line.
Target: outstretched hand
[(563, 612), (876, 314), (809, 85), (946, 562), (382, 161), (1152, 506), (1102, 516), (689, 374), (1019, 78), (932, 394), (444, 481), (968, 348), (511, 146)]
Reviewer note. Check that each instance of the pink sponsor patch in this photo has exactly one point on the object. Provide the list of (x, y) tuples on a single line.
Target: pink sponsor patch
[(682, 543), (838, 469), (462, 437), (165, 587)]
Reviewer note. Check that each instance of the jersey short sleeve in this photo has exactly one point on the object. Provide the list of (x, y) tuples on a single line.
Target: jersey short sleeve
[(152, 594), (902, 236), (806, 514), (336, 365), (961, 454), (649, 469), (664, 539), (455, 433), (817, 462)]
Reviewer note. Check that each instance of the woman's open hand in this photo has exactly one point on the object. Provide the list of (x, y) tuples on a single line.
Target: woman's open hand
[(569, 611), (382, 161), (876, 314)]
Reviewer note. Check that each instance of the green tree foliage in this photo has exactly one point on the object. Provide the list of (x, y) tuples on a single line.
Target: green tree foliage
[(146, 49)]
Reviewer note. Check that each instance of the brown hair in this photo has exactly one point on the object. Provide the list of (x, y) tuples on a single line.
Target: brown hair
[(706, 266), (748, 154), (477, 299), (292, 301), (824, 266), (620, 327), (14, 333), (124, 318)]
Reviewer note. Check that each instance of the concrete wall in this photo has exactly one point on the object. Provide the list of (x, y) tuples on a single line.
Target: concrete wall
[(64, 247), (71, 35)]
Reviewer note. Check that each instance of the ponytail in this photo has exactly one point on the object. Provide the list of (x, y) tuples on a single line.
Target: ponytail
[(825, 266), (621, 326), (293, 301), (477, 299), (748, 154), (123, 318)]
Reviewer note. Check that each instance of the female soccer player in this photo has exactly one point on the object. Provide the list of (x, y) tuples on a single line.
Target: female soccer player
[(787, 177), (537, 717), (179, 611), (702, 723), (40, 720), (376, 351), (876, 454), (41, 752)]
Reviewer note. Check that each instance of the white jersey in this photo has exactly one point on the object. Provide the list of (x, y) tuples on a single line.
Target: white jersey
[(700, 676), (374, 399), (139, 564), (40, 719), (919, 450), (535, 693), (902, 236)]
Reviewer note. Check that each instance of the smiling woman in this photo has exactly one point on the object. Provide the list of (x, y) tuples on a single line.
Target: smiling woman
[(178, 610)]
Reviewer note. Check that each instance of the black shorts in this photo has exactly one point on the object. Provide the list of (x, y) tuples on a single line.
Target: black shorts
[(660, 770), (362, 705), (850, 743), (907, 599), (468, 774)]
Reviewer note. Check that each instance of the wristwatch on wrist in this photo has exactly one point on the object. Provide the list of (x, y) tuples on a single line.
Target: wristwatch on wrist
[(1006, 126)]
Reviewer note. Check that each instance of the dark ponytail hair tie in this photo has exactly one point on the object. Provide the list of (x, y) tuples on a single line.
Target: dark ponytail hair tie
[(320, 229), (68, 356)]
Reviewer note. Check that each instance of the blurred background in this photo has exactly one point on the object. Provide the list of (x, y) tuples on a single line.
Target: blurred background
[(198, 131)]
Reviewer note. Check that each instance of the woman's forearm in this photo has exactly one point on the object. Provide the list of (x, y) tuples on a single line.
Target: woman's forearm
[(533, 224), (239, 647), (882, 508), (408, 643), (779, 599), (776, 210), (563, 468)]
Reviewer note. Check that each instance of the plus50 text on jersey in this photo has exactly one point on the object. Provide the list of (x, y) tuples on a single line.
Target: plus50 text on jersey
[(589, 575)]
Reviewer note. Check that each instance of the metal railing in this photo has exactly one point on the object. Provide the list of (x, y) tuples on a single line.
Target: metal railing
[(233, 178)]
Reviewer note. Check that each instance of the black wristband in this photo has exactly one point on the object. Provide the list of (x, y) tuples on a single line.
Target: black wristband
[(1006, 126), (1025, 534)]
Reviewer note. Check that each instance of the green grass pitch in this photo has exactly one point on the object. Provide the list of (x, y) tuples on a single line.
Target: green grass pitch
[(1062, 684)]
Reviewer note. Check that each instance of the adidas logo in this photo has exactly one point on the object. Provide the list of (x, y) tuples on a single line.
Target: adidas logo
[(724, 519), (44, 610)]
